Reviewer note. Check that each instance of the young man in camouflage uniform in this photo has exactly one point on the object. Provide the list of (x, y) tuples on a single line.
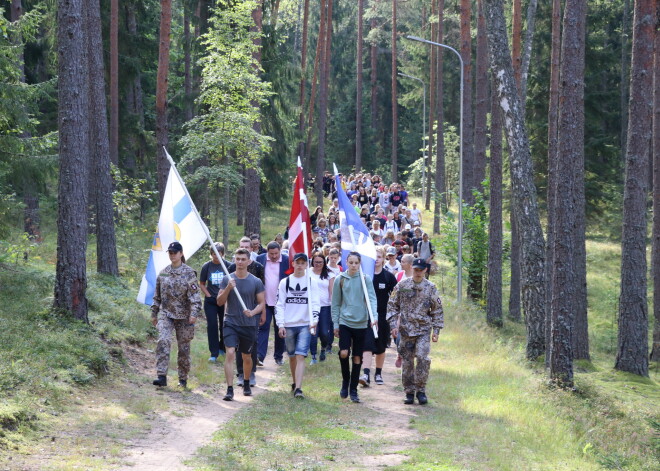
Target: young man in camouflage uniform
[(414, 309), (175, 307)]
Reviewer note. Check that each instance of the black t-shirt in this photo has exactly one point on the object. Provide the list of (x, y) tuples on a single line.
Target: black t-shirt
[(384, 283), (395, 198), (212, 275)]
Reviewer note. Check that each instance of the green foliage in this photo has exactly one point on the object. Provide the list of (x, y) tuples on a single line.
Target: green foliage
[(225, 135)]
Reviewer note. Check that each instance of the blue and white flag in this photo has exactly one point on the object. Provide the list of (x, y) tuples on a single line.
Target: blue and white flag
[(348, 218), (177, 222)]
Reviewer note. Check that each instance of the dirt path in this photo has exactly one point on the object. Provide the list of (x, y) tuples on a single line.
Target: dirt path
[(187, 424)]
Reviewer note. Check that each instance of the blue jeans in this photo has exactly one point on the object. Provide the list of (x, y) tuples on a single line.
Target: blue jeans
[(264, 333), (323, 330), (297, 340)]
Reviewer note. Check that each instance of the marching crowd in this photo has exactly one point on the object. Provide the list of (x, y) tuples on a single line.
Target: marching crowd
[(366, 315)]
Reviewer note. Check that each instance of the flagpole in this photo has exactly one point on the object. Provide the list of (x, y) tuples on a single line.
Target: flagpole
[(203, 224), (307, 277), (364, 289)]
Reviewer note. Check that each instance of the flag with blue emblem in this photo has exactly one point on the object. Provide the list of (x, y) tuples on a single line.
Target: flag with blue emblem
[(360, 242), (177, 222)]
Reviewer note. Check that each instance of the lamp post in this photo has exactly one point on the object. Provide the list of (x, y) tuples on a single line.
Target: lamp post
[(460, 169), (423, 131)]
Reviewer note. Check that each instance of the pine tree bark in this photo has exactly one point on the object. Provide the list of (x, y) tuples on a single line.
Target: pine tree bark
[(624, 77), (440, 180), (395, 103), (323, 104), (655, 254), (553, 111), (570, 176), (494, 286), (303, 80), (318, 64), (433, 66), (358, 98), (524, 192), (73, 119), (373, 56), (481, 99), (632, 351), (252, 179), (469, 182), (114, 81), (106, 246), (162, 164)]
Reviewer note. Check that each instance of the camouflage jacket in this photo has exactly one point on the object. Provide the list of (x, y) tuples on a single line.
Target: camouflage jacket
[(177, 293), (415, 308)]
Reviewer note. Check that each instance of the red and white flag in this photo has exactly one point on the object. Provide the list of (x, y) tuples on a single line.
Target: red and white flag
[(300, 230)]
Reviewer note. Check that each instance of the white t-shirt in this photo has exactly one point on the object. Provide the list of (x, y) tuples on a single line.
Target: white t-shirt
[(414, 214), (324, 287), (393, 269)]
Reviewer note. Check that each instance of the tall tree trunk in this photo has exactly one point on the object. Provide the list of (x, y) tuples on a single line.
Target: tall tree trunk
[(527, 49), (469, 182), (624, 78), (524, 192), (433, 66), (303, 80), (570, 175), (135, 102), (481, 99), (358, 98), (632, 352), (187, 68), (106, 247), (655, 351), (553, 111), (323, 105), (252, 180), (440, 180), (318, 64), (395, 103), (73, 120), (31, 215), (114, 81), (494, 286), (373, 56), (516, 59), (162, 163)]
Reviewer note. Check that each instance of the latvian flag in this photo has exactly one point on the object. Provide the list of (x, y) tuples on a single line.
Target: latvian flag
[(300, 231)]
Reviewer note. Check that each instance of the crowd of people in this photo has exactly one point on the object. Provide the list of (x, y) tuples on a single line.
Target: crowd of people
[(318, 302)]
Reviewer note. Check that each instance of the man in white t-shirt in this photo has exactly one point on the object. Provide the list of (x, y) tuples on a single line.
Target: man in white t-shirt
[(416, 214), (392, 265)]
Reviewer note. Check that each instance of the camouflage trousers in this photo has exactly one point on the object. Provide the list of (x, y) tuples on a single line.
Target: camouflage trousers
[(415, 374), (184, 335)]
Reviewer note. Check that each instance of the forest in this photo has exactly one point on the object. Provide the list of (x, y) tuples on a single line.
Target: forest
[(528, 132)]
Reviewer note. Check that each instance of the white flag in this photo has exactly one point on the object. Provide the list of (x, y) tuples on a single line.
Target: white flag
[(177, 222)]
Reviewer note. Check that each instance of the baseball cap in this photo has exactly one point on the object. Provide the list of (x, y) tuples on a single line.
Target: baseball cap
[(300, 256), (175, 247), (417, 223), (407, 227), (419, 263), (391, 251)]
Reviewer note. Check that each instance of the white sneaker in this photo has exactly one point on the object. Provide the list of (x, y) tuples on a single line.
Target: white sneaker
[(364, 380)]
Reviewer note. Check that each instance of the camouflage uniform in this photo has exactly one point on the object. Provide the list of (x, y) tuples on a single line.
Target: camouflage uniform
[(176, 298), (415, 309)]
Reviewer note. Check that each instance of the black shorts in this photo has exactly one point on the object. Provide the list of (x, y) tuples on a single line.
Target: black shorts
[(241, 337), (351, 339), (377, 345)]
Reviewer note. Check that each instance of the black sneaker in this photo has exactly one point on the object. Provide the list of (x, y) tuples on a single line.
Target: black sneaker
[(293, 387), (230, 394), (246, 390), (421, 397), (343, 392), (378, 379), (354, 396), (239, 381), (183, 383), (298, 394), (260, 362), (322, 355), (160, 381), (410, 399), (279, 362)]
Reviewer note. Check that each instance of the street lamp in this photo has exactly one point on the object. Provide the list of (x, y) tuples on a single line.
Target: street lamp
[(460, 169), (423, 132)]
